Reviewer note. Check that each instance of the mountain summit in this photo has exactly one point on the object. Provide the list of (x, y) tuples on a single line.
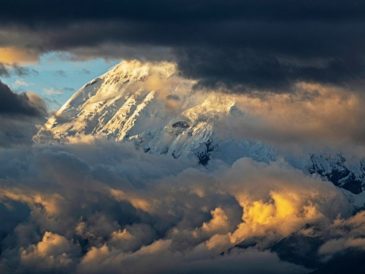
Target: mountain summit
[(153, 107), (148, 104)]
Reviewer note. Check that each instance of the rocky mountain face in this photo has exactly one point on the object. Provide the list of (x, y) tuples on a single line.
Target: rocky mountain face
[(336, 170), (153, 107)]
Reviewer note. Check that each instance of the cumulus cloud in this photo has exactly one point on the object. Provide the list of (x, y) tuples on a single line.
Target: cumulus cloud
[(51, 252), (106, 207)]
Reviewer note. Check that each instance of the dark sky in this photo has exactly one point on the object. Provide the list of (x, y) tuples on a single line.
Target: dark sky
[(246, 44)]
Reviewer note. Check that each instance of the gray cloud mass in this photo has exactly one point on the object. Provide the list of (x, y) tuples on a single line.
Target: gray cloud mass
[(19, 113), (107, 208), (241, 44)]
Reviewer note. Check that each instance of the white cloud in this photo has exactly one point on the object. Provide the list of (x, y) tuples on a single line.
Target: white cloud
[(21, 83), (53, 91)]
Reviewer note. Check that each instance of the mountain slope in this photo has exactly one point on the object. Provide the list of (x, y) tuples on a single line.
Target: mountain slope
[(152, 106), (148, 104)]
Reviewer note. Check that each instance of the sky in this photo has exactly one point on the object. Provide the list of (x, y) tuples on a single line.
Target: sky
[(55, 76), (282, 186)]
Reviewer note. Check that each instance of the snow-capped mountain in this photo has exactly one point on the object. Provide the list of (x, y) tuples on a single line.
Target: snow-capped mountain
[(152, 106)]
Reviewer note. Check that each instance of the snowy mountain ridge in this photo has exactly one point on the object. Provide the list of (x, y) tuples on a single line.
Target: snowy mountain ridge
[(152, 106), (148, 104)]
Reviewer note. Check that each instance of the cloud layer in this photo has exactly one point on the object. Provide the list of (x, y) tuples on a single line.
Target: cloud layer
[(243, 44), (313, 116), (107, 208)]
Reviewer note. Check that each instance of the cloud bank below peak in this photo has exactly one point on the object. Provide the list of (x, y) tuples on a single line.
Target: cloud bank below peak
[(123, 224)]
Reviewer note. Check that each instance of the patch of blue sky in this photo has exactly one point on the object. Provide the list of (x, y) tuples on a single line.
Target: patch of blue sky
[(56, 76)]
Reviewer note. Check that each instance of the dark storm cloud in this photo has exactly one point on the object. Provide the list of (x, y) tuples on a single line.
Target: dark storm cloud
[(255, 44), (19, 114), (181, 10), (16, 104)]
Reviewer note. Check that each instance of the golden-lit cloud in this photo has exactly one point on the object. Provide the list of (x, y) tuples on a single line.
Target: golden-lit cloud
[(51, 204), (12, 55), (314, 114), (114, 208), (51, 252), (137, 202), (261, 217)]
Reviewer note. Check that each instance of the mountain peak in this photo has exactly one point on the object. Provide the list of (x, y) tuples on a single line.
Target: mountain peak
[(134, 69), (149, 104)]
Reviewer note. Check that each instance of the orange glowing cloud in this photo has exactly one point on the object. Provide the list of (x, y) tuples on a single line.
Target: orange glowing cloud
[(9, 55)]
